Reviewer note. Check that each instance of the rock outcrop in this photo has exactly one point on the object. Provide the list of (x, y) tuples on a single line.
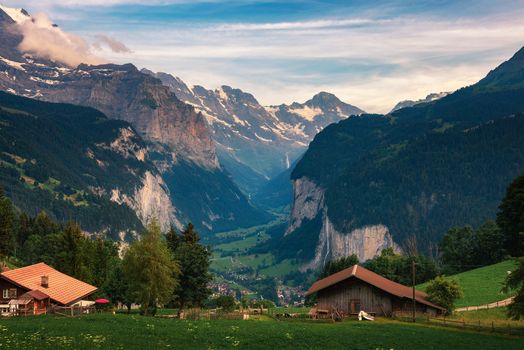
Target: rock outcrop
[(365, 242)]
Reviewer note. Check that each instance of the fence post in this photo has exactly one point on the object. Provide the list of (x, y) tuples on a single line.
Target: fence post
[(492, 326), (463, 323)]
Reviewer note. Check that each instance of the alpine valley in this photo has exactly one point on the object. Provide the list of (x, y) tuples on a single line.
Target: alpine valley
[(276, 190)]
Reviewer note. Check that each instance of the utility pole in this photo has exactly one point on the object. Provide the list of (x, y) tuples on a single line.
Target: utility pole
[(413, 275)]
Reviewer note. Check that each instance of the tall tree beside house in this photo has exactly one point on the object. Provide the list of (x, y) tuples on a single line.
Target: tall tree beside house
[(515, 281), (510, 217), (398, 267), (75, 252), (104, 256), (194, 260), (7, 226), (150, 269), (336, 265)]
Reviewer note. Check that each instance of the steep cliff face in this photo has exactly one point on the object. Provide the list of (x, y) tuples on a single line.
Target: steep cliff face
[(122, 92), (150, 199), (309, 204)]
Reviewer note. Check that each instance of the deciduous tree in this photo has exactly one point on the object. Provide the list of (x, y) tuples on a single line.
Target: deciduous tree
[(150, 269)]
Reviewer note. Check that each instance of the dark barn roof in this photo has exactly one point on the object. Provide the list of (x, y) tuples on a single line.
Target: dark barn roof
[(363, 274)]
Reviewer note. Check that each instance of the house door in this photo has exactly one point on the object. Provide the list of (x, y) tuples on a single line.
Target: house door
[(354, 306)]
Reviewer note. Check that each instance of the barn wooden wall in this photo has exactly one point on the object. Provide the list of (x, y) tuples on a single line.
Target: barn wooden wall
[(340, 295)]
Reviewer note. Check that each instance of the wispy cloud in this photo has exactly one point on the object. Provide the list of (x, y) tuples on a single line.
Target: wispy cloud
[(113, 44)]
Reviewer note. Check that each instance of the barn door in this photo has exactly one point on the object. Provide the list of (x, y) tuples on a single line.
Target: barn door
[(354, 306)]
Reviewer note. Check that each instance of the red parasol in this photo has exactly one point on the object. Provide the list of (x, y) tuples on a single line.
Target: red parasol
[(101, 301)]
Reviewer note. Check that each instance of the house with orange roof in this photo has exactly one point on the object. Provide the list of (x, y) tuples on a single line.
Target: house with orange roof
[(357, 289), (33, 289)]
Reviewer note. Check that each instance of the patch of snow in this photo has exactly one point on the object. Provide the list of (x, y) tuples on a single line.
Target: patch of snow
[(14, 64), (306, 112), (237, 120), (263, 139), (45, 81), (222, 94)]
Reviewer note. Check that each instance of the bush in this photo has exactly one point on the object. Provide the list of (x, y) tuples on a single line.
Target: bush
[(444, 292), (226, 302)]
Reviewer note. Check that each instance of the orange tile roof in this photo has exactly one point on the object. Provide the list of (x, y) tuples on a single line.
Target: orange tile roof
[(374, 279), (62, 289)]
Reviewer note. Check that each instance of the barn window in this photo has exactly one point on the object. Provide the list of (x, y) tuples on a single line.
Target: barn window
[(5, 293)]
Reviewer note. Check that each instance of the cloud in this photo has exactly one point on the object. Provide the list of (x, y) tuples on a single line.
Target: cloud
[(326, 23), (43, 39), (370, 63), (113, 44)]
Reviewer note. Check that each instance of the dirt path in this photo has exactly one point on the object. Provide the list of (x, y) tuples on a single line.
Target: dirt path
[(486, 306)]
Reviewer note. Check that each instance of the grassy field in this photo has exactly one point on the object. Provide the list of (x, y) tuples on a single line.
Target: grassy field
[(482, 285), (136, 332)]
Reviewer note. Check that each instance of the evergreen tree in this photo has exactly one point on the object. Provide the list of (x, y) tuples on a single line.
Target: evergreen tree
[(488, 244), (7, 226), (510, 217), (194, 260), (150, 269), (457, 248), (117, 287), (515, 281), (398, 268), (104, 257), (25, 229), (172, 239), (75, 253)]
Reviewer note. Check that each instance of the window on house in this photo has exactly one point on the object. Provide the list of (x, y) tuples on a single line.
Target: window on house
[(9, 293)]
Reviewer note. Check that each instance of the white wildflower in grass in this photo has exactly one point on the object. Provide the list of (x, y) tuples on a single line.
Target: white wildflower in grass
[(289, 336), (235, 328)]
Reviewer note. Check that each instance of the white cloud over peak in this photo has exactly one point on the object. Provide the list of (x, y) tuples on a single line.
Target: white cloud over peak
[(42, 38)]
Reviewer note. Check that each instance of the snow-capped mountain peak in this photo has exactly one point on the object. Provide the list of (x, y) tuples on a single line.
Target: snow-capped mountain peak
[(18, 15)]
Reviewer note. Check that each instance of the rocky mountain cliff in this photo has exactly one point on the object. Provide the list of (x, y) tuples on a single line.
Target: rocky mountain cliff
[(74, 162), (374, 181), (178, 138), (410, 103), (256, 143)]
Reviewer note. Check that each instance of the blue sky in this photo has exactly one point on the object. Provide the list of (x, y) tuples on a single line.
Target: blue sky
[(369, 53)]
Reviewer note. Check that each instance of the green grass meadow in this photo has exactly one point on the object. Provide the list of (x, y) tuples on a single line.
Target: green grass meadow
[(105, 331), (482, 285)]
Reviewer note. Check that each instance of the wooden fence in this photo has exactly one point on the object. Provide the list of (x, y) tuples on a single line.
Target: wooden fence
[(494, 305), (72, 311), (477, 325)]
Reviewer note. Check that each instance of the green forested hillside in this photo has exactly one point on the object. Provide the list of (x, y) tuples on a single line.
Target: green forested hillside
[(56, 157), (423, 169)]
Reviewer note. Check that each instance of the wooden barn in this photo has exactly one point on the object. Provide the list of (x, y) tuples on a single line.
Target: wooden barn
[(33, 289), (357, 289)]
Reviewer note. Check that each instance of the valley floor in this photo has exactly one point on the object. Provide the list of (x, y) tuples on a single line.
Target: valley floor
[(106, 331)]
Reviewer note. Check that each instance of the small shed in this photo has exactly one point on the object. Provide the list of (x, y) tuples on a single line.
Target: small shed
[(358, 289)]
